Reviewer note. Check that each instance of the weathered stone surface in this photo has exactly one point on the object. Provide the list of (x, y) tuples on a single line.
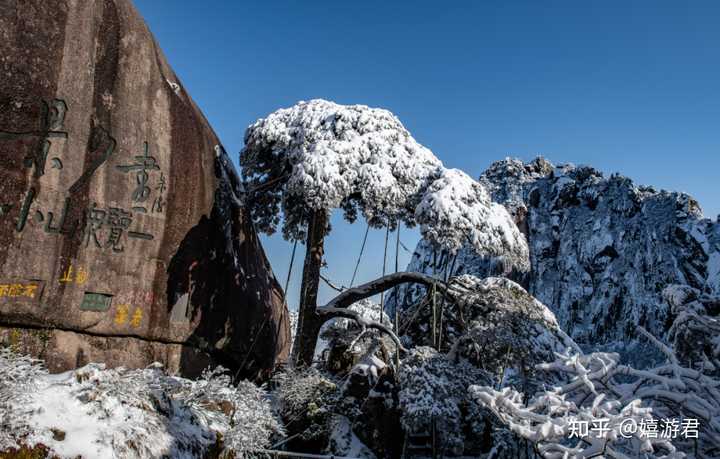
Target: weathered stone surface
[(122, 232)]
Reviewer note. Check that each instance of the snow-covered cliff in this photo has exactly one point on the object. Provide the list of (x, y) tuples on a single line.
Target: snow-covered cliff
[(601, 248)]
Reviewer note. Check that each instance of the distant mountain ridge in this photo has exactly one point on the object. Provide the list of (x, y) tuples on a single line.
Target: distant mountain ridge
[(601, 248)]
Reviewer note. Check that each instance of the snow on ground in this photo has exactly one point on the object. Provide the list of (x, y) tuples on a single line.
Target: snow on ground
[(344, 442), (93, 412), (55, 407)]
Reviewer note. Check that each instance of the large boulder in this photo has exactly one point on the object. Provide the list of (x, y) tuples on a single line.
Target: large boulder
[(123, 236)]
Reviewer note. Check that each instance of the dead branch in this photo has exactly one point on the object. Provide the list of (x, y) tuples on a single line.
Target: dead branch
[(329, 313), (372, 288)]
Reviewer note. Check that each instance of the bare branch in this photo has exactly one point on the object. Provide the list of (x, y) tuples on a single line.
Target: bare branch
[(355, 294), (341, 288), (329, 313)]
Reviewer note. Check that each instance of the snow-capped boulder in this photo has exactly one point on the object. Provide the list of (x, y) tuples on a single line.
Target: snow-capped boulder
[(123, 235), (601, 248)]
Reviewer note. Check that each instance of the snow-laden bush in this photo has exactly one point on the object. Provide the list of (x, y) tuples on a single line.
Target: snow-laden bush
[(599, 391), (241, 413), (19, 376), (434, 389), (306, 400), (98, 412)]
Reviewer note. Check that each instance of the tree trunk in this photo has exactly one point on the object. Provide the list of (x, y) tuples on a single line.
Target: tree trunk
[(309, 322)]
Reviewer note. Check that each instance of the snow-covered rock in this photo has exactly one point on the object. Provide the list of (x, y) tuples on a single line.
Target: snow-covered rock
[(343, 441), (601, 249)]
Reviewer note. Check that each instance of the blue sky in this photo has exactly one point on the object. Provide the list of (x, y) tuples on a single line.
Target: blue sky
[(630, 87)]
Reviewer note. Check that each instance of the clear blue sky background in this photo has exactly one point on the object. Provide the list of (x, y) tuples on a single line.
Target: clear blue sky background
[(630, 87)]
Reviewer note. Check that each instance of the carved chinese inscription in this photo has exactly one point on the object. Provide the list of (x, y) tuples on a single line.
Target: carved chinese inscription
[(21, 290), (98, 227), (102, 144), (51, 125), (142, 165), (74, 275), (159, 202), (104, 228)]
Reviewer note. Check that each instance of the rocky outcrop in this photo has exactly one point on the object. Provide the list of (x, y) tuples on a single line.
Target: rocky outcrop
[(123, 236), (601, 248)]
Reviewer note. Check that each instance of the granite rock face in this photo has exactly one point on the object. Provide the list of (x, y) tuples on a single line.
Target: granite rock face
[(123, 235), (602, 249)]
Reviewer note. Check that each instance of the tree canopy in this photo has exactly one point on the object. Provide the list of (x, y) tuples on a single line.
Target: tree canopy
[(319, 156)]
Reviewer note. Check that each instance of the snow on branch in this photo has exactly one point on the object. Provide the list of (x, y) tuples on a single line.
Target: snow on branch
[(601, 391), (456, 210), (337, 155), (329, 313), (382, 284), (339, 306)]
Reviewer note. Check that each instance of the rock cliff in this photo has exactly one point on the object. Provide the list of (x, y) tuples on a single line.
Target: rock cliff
[(123, 236), (601, 248)]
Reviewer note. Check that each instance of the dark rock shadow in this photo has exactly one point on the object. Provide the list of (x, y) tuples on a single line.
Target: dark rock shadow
[(221, 282)]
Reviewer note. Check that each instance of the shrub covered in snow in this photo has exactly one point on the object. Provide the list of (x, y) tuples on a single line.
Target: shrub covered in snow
[(434, 389), (306, 401), (493, 323), (19, 376), (97, 412), (695, 332)]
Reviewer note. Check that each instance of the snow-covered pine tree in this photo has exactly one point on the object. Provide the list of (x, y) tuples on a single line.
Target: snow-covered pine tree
[(301, 163)]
